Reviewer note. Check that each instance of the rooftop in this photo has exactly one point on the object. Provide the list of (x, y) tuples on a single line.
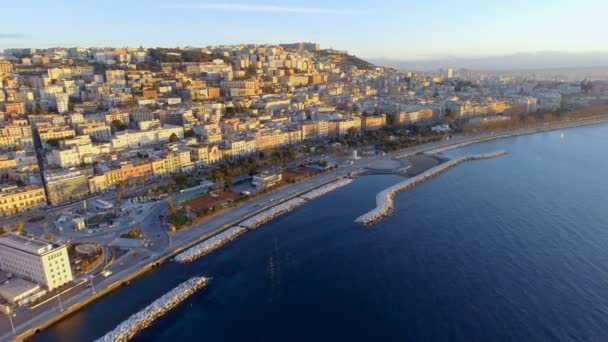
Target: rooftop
[(25, 244)]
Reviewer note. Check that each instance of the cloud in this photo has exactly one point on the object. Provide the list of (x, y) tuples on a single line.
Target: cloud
[(263, 8), (11, 35)]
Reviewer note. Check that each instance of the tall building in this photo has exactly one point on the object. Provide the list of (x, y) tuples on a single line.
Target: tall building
[(449, 73), (35, 260)]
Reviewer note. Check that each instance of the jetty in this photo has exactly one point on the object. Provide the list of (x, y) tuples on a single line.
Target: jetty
[(385, 199), (210, 244), (217, 241), (144, 318), (318, 192), (267, 215)]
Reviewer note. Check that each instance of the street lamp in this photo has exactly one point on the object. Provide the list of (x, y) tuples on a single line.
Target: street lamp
[(92, 284), (10, 315), (60, 304)]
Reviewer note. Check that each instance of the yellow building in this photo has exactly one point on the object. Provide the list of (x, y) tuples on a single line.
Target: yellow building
[(206, 154), (55, 133), (270, 140), (413, 117), (15, 199), (16, 135), (370, 123)]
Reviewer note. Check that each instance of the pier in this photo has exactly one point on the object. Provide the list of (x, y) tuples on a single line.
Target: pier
[(144, 318), (385, 199)]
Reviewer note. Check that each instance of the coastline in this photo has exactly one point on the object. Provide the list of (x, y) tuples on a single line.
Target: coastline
[(29, 328)]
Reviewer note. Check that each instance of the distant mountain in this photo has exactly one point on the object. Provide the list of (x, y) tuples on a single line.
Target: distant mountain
[(519, 61)]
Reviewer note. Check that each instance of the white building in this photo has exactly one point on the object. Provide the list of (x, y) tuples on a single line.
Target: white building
[(140, 138), (36, 260), (266, 180)]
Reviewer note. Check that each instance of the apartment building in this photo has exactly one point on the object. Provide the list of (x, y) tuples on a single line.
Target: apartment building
[(16, 199)]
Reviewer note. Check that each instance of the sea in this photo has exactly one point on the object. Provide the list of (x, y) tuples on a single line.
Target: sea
[(507, 249)]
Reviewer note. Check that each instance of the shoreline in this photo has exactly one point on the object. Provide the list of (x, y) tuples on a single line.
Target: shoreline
[(31, 327), (385, 198)]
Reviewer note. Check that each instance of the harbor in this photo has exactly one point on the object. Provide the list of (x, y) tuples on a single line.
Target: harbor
[(385, 199), (144, 318)]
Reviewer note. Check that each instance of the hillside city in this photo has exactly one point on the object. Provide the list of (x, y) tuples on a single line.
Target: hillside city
[(109, 154)]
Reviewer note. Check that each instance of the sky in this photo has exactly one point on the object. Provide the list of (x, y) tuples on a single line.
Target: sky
[(405, 29)]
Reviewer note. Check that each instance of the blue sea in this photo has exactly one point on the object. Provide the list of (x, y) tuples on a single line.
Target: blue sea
[(507, 249)]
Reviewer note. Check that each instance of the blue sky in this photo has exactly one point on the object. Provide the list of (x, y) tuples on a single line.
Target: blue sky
[(395, 29)]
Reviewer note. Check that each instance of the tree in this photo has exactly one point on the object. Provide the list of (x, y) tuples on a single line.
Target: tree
[(180, 179), (118, 125), (133, 233), (172, 208), (19, 227), (173, 138), (54, 143)]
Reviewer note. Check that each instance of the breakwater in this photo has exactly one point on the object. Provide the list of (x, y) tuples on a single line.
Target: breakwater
[(256, 221), (144, 318), (385, 199), (326, 189), (210, 244), (267, 215)]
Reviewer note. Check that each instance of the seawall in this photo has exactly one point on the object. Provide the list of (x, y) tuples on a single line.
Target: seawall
[(210, 245), (144, 318), (385, 199)]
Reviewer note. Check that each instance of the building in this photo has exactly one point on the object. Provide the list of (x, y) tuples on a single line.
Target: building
[(12, 136), (98, 131), (122, 117), (17, 108), (413, 117), (239, 148), (35, 260), (6, 67), (266, 180), (55, 133), (131, 138), (63, 186), (206, 154), (116, 77), (370, 123), (15, 199)]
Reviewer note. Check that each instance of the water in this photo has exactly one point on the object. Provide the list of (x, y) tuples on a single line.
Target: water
[(507, 249)]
